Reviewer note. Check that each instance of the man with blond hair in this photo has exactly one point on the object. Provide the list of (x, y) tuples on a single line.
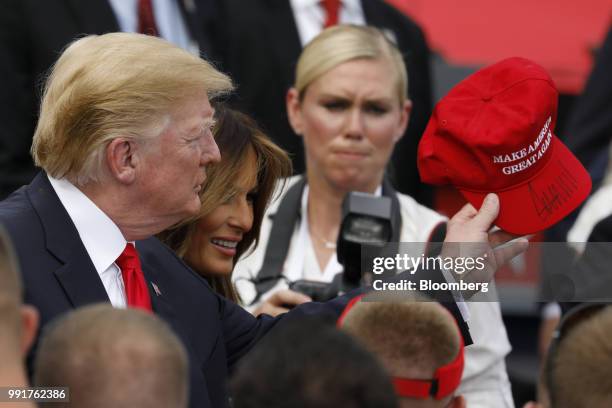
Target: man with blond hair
[(418, 342), (18, 323), (33, 33), (116, 358), (123, 140)]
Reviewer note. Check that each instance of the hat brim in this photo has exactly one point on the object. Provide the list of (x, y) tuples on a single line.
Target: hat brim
[(545, 199)]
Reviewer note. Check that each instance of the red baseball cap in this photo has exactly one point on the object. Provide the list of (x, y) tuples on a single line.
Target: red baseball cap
[(493, 133)]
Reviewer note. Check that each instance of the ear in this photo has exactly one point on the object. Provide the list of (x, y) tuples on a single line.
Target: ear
[(29, 323), (122, 159), (404, 119), (294, 110)]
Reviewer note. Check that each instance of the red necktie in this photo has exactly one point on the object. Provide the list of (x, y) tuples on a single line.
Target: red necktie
[(146, 19), (133, 279), (332, 8)]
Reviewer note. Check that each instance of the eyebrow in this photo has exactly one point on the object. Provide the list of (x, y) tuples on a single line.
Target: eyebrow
[(209, 122), (383, 99), (201, 126)]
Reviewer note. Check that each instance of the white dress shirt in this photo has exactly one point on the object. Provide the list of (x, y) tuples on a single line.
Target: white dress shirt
[(102, 239), (302, 262), (168, 19), (310, 16)]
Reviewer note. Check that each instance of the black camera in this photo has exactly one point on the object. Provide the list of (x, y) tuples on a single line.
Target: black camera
[(366, 222), (366, 227), (317, 291)]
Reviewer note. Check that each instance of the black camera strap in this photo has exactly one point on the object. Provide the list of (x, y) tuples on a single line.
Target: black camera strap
[(283, 224)]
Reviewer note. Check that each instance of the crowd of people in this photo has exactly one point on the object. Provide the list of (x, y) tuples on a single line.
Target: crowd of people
[(186, 183)]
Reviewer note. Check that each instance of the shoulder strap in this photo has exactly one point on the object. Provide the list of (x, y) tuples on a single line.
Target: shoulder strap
[(396, 215), (280, 237), (436, 238)]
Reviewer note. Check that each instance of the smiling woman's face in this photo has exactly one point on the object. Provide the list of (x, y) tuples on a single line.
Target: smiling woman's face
[(350, 119), (213, 246)]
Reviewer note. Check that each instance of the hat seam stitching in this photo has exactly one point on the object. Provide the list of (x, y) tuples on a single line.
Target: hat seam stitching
[(549, 81)]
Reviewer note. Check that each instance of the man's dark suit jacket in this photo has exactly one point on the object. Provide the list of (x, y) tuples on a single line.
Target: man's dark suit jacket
[(591, 276), (32, 35), (589, 130), (260, 45), (59, 276)]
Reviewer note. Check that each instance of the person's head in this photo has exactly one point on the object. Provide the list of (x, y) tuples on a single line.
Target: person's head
[(350, 105), (304, 363), (578, 369), (126, 117), (111, 357), (413, 339), (18, 322), (234, 199)]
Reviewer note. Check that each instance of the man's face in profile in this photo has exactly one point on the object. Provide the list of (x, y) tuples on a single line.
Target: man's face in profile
[(174, 165)]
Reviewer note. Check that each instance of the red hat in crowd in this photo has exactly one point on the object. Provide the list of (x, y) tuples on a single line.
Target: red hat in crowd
[(493, 133)]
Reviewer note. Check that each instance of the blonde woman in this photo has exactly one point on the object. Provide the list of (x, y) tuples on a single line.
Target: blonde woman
[(350, 106)]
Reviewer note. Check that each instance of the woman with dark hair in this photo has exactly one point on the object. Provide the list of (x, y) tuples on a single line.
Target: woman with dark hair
[(234, 198)]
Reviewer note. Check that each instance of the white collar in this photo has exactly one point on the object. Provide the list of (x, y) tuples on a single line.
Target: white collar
[(101, 237), (351, 5)]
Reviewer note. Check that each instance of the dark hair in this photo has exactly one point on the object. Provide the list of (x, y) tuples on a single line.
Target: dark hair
[(235, 134), (305, 363)]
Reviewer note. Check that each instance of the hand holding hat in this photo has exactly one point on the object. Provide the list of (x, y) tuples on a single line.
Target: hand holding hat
[(493, 133), (469, 235)]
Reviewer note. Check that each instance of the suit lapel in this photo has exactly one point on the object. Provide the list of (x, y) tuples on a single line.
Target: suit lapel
[(371, 13), (94, 16), (283, 32), (160, 304), (374, 17), (197, 15), (80, 281), (77, 275)]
